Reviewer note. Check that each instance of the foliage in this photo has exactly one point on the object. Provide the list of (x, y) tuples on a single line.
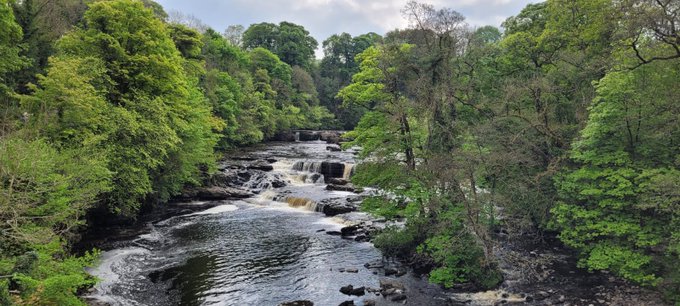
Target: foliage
[(43, 196), (616, 208), (290, 42)]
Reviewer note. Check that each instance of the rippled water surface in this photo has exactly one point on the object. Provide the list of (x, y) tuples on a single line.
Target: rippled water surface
[(251, 252)]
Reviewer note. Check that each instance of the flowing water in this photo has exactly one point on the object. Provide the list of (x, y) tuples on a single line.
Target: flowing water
[(256, 251)]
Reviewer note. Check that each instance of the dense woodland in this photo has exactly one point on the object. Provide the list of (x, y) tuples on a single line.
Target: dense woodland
[(564, 122)]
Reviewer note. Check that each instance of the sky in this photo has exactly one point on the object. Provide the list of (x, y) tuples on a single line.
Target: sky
[(323, 18)]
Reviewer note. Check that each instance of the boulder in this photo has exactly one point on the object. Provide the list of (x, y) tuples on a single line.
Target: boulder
[(358, 291), (334, 233), (349, 230), (338, 181), (334, 207), (298, 303), (330, 137), (369, 302), (348, 303), (346, 289), (350, 290)]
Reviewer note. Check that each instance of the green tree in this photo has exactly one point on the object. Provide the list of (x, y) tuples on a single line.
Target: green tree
[(291, 42), (10, 62)]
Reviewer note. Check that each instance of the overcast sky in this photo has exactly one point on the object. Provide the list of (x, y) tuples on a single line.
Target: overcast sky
[(323, 18)]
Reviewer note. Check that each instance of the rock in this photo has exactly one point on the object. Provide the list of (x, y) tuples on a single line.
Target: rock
[(358, 291), (260, 165), (321, 230), (400, 273), (350, 290), (386, 283), (330, 137), (298, 303), (369, 302), (352, 270), (347, 303), (309, 136), (361, 238), (505, 295), (346, 289), (334, 207), (388, 292), (390, 271), (529, 298), (334, 233), (349, 230), (398, 298), (338, 181), (333, 148), (348, 187)]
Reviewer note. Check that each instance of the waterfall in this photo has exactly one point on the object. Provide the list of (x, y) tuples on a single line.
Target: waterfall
[(308, 166), (349, 169), (297, 136), (268, 195), (305, 203)]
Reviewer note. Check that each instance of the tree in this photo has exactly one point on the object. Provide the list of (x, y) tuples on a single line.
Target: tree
[(291, 42), (10, 58), (234, 34), (336, 70)]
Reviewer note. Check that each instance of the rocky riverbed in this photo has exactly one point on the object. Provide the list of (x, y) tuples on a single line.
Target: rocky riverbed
[(280, 224)]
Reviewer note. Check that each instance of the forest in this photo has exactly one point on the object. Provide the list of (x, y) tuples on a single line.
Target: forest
[(564, 123)]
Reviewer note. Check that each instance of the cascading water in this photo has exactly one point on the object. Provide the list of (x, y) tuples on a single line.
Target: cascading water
[(305, 203), (349, 170), (258, 251)]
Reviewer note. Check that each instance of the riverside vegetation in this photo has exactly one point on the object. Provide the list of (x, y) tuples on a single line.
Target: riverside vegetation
[(565, 123)]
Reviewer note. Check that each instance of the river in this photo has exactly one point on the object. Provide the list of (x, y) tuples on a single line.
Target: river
[(254, 251)]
